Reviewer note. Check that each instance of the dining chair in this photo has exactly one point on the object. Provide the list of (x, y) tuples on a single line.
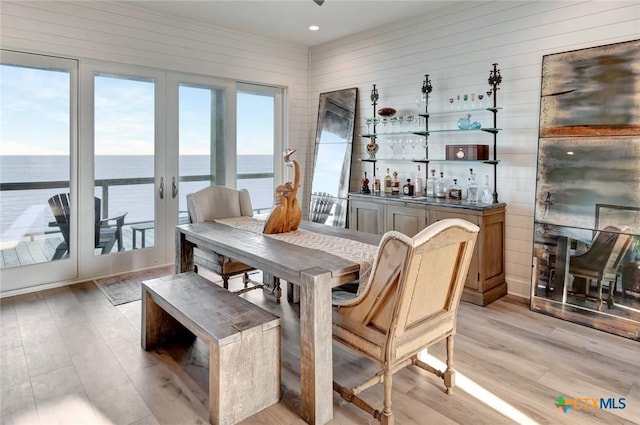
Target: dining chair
[(216, 202), (409, 303), (107, 231), (601, 261)]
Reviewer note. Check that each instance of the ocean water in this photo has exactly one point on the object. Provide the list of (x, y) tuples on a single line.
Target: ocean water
[(27, 211)]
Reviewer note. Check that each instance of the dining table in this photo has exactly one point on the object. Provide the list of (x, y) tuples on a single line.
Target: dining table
[(316, 270)]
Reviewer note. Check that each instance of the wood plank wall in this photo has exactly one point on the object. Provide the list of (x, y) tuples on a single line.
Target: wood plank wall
[(456, 46)]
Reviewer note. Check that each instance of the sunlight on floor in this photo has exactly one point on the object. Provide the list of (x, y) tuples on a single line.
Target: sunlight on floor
[(71, 409), (482, 394)]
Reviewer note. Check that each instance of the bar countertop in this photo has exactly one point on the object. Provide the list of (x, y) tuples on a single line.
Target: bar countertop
[(424, 200)]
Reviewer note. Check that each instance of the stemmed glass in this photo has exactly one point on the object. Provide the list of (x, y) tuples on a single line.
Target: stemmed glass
[(465, 98), (392, 144), (489, 93), (458, 102), (376, 121), (368, 121), (472, 96), (409, 120), (394, 121), (451, 103), (480, 97), (400, 122), (413, 142), (421, 101)]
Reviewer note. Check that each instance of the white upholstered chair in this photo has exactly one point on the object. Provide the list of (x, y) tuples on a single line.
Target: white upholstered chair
[(602, 259), (410, 302), (215, 202)]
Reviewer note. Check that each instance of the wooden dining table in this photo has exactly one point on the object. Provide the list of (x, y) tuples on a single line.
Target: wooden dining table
[(314, 271)]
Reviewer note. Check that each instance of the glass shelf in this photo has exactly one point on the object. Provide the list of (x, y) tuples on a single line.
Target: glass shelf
[(461, 111), (425, 160), (426, 133)]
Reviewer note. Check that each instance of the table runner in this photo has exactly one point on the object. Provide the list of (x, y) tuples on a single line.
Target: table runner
[(357, 252)]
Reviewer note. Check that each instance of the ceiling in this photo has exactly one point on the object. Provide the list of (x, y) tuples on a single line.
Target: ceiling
[(289, 20)]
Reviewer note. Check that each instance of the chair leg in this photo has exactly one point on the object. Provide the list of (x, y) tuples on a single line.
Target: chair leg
[(386, 418), (449, 374), (612, 289), (599, 297), (225, 281)]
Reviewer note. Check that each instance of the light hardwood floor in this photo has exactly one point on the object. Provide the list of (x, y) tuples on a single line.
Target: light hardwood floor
[(69, 356)]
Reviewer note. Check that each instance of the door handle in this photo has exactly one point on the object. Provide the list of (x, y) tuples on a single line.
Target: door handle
[(174, 188), (161, 190)]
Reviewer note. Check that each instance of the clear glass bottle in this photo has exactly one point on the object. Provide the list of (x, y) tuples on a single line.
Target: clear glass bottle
[(441, 187), (430, 189), (487, 196), (455, 192), (387, 182), (472, 188), (376, 182), (418, 183)]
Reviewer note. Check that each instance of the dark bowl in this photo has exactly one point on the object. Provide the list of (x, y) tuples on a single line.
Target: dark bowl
[(386, 112)]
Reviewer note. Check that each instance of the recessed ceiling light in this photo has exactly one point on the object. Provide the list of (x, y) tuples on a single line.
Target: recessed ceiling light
[(314, 28)]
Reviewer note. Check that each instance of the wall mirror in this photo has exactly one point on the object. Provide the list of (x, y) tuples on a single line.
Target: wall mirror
[(586, 251), (332, 157)]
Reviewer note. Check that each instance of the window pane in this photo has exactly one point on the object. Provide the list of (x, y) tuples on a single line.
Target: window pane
[(34, 162), (124, 129), (255, 148)]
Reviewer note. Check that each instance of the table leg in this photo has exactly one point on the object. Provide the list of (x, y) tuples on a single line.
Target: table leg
[(184, 253), (315, 347)]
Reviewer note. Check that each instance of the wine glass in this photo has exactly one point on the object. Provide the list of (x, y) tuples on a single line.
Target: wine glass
[(413, 142), (458, 102), (376, 121), (400, 122), (451, 103), (409, 120), (368, 121), (489, 93), (421, 101), (480, 97), (392, 144), (465, 97), (393, 121), (472, 96)]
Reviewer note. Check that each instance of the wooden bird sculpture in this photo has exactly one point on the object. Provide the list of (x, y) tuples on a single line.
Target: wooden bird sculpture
[(286, 213)]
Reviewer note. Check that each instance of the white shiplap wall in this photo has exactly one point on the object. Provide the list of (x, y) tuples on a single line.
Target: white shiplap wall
[(125, 34), (457, 46)]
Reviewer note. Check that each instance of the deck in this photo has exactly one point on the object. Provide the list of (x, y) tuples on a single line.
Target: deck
[(40, 248)]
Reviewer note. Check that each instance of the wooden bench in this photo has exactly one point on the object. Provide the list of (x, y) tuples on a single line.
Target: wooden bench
[(244, 364)]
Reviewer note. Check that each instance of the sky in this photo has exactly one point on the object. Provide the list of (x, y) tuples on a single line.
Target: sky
[(34, 115)]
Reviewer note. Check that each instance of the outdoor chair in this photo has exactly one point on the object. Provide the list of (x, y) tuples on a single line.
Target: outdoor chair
[(320, 207), (106, 236), (602, 259), (409, 303), (216, 202)]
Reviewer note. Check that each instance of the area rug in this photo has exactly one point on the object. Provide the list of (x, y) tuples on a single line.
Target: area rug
[(127, 287)]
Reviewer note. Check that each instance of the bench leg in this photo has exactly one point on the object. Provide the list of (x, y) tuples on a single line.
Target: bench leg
[(158, 326)]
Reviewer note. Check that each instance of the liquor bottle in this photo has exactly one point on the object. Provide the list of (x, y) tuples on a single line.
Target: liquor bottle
[(441, 187), (487, 196), (376, 182), (430, 189), (365, 184), (455, 192), (387, 183), (418, 183), (472, 188), (408, 188), (395, 184)]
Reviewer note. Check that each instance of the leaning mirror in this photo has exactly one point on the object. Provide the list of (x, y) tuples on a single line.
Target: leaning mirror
[(332, 159)]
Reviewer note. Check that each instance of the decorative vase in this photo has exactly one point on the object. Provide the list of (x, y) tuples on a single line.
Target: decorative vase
[(465, 122), (475, 125), (372, 149)]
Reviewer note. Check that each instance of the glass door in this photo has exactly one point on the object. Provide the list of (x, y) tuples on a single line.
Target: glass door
[(203, 145), (38, 141), (123, 173)]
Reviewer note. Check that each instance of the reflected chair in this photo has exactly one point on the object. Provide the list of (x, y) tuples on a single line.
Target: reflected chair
[(216, 202), (106, 235), (409, 303), (601, 261), (320, 206)]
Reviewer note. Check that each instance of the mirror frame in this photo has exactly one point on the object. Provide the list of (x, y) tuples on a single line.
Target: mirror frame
[(331, 208)]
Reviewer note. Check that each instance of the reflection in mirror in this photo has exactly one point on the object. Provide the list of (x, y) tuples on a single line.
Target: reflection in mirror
[(591, 276), (332, 161)]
